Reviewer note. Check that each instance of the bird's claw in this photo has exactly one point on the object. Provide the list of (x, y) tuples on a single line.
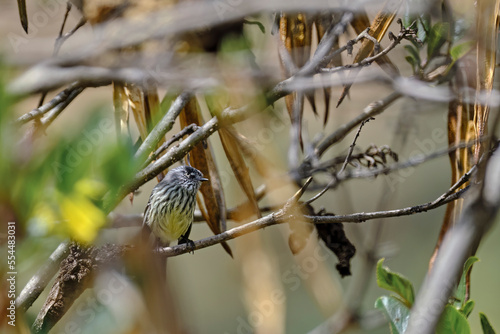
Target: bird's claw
[(190, 243)]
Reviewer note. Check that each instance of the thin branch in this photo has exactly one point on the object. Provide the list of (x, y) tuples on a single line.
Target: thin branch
[(56, 111), (367, 61), (351, 147), (178, 136), (414, 161), (40, 111), (344, 165), (62, 38), (465, 178), (280, 217)]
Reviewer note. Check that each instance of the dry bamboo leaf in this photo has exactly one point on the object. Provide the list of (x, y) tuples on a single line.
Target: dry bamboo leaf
[(261, 163), (486, 34), (296, 35), (214, 208), (300, 229), (360, 21), (378, 28), (239, 167), (359, 24), (322, 22), (120, 103), (152, 113), (460, 130), (136, 105), (23, 15)]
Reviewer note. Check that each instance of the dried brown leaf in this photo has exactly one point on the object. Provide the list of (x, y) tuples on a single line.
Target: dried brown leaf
[(261, 163), (238, 165), (214, 208), (322, 23), (296, 35), (136, 105), (120, 103)]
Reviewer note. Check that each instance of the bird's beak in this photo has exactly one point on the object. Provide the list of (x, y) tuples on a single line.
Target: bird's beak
[(202, 179)]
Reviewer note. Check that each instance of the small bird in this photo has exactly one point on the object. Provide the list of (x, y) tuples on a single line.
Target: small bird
[(170, 209)]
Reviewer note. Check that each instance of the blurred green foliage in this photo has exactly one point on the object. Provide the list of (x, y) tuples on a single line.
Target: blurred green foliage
[(54, 184)]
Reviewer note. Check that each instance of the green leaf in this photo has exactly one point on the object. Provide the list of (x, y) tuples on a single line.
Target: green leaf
[(396, 311), (437, 36), (458, 51), (467, 308), (412, 62), (452, 321), (395, 282), (413, 51), (461, 289), (485, 324), (413, 58)]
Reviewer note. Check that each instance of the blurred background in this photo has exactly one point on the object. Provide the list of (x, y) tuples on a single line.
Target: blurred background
[(264, 288)]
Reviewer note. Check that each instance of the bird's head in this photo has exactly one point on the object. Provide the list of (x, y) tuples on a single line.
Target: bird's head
[(186, 176)]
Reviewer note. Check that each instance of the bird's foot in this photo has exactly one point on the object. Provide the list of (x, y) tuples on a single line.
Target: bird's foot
[(190, 243)]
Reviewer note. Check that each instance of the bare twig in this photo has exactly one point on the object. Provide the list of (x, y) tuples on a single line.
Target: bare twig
[(52, 115), (367, 61), (62, 38), (351, 148), (335, 178), (40, 111), (178, 136), (280, 217)]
